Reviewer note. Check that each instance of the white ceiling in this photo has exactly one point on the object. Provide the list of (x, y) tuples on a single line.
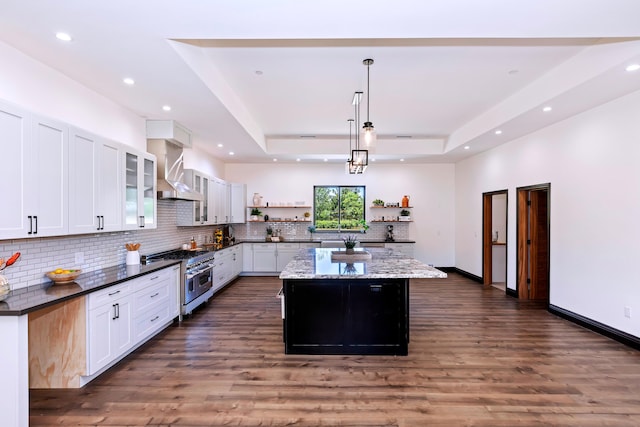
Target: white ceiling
[(275, 79)]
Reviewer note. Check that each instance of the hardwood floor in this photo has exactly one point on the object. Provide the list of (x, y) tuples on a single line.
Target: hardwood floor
[(476, 358)]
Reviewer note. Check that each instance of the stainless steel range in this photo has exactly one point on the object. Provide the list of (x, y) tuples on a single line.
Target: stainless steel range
[(195, 275)]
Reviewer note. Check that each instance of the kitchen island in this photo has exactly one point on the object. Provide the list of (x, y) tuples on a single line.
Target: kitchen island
[(338, 307)]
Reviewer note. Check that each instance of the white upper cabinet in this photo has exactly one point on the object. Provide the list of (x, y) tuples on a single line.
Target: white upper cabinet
[(15, 144), (219, 197), (196, 212), (47, 178), (94, 184), (140, 190), (238, 203)]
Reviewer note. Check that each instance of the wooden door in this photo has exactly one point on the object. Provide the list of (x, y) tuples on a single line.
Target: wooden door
[(533, 243)]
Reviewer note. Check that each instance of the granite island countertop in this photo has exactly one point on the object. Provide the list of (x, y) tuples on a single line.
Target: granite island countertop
[(316, 263)]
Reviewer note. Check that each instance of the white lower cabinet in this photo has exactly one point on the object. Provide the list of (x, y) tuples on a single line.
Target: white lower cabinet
[(123, 316), (285, 253), (109, 325), (404, 248), (269, 257)]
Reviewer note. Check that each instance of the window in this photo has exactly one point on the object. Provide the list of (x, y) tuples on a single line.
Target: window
[(338, 208)]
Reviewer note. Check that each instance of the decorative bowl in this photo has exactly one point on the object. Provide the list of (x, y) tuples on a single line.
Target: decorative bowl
[(66, 276)]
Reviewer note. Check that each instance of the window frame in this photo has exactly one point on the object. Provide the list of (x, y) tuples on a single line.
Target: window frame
[(339, 188)]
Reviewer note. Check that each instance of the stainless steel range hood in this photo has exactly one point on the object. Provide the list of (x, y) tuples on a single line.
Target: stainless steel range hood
[(170, 165)]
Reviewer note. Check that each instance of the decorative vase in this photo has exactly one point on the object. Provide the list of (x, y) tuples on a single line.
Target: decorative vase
[(350, 251), (405, 201), (4, 287), (257, 199)]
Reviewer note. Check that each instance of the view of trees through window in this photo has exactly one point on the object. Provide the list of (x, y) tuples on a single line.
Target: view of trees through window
[(338, 208)]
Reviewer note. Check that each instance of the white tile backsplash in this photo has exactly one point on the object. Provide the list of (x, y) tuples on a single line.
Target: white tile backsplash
[(43, 254)]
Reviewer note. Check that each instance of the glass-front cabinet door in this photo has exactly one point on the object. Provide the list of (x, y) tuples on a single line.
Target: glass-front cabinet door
[(140, 191)]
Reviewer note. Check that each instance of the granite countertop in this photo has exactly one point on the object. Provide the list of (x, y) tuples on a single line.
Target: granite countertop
[(25, 300), (315, 263)]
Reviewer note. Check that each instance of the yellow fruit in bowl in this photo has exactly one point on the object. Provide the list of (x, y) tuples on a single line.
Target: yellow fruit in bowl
[(66, 272), (58, 271)]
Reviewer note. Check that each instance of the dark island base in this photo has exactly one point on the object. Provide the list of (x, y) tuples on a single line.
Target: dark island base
[(346, 316)]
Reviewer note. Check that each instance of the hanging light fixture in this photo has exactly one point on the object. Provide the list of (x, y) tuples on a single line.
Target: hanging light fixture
[(368, 131), (359, 158), (349, 165)]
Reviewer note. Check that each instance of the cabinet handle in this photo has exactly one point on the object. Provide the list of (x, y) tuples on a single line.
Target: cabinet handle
[(30, 224), (35, 217), (102, 222), (113, 293), (155, 295), (375, 288), (155, 318), (118, 310), (154, 277), (98, 216), (114, 312), (141, 218)]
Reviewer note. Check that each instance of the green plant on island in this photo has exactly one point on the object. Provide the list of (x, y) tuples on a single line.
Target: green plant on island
[(350, 241)]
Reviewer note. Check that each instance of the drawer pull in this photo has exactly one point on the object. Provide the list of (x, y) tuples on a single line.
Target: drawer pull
[(154, 277), (155, 318), (155, 295), (114, 293)]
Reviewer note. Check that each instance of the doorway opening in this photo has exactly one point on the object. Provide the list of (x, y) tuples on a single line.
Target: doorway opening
[(533, 242), (494, 239)]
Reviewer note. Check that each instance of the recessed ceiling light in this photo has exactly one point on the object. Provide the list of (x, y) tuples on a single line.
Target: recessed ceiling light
[(166, 107), (547, 109), (498, 132), (373, 160), (402, 160), (220, 145), (633, 67), (63, 36), (275, 160), (326, 160), (466, 147), (128, 81), (297, 160), (231, 153)]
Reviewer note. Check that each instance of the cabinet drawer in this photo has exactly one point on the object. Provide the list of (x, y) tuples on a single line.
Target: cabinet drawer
[(288, 246), (150, 295), (107, 295), (149, 321)]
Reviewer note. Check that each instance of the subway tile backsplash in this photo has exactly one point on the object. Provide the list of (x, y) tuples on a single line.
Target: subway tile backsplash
[(98, 251)]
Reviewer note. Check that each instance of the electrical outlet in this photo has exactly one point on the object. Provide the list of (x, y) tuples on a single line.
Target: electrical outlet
[(627, 312), (79, 258)]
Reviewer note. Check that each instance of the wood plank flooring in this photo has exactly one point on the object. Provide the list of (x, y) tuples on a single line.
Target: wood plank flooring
[(476, 358)]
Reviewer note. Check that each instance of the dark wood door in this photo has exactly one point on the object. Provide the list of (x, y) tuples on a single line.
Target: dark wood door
[(533, 243), (376, 313), (539, 246)]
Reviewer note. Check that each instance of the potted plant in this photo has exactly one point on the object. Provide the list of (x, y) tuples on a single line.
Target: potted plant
[(405, 215), (378, 202), (269, 233), (350, 242), (255, 213), (307, 215), (311, 229), (363, 226)]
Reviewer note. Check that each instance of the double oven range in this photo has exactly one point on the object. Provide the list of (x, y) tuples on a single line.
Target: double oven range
[(196, 276)]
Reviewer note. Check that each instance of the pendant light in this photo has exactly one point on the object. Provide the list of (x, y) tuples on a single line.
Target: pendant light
[(359, 158), (349, 169), (368, 131)]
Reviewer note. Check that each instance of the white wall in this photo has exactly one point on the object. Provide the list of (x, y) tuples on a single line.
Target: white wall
[(43, 90), (591, 162), (430, 187)]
